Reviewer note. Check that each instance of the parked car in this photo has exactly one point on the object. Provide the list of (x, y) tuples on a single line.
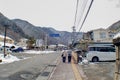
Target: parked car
[(101, 53), (19, 49), (7, 50)]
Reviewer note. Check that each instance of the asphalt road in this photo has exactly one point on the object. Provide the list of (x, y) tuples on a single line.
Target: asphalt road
[(35, 67), (40, 66)]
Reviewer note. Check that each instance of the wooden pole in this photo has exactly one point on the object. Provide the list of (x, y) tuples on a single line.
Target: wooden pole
[(117, 66), (5, 42)]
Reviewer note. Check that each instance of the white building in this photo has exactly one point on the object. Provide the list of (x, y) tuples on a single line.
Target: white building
[(8, 39), (101, 35), (22, 42)]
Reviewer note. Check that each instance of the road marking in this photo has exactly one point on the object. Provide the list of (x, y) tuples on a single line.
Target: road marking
[(75, 69), (53, 70)]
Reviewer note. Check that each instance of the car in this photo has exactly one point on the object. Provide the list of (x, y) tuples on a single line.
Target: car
[(7, 50), (19, 49), (101, 53)]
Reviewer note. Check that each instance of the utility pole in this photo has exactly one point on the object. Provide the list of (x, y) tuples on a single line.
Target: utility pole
[(73, 34), (117, 65), (46, 41), (5, 32), (5, 41)]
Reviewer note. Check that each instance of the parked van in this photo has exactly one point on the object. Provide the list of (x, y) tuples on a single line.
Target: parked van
[(101, 53)]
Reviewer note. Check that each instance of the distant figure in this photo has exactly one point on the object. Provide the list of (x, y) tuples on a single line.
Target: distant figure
[(80, 58), (69, 55), (64, 54)]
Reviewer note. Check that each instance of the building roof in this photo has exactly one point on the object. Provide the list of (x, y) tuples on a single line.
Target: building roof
[(6, 37), (98, 29)]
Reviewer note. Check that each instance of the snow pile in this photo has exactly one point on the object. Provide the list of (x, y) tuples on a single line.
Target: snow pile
[(8, 59), (85, 61), (37, 52)]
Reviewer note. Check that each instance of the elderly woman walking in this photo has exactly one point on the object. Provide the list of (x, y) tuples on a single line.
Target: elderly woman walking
[(64, 55)]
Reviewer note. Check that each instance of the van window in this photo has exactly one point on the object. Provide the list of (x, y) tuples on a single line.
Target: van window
[(102, 49), (111, 49), (92, 49)]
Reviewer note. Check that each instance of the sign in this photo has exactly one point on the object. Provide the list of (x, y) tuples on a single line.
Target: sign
[(54, 35)]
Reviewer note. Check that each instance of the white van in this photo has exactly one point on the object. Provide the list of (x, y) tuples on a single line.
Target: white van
[(101, 53)]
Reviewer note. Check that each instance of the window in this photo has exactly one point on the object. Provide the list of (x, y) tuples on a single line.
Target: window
[(102, 35), (102, 49), (92, 49)]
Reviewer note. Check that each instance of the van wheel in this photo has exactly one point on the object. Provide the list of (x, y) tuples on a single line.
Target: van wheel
[(95, 59)]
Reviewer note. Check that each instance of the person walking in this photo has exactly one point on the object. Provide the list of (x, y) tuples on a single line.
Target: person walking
[(69, 55), (64, 54)]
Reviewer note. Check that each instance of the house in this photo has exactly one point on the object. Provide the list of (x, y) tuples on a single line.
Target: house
[(22, 42), (100, 35), (8, 39), (96, 37)]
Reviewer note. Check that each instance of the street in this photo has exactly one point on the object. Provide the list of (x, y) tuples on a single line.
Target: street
[(32, 68), (50, 67)]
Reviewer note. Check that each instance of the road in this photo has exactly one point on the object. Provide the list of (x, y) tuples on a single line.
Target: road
[(50, 67), (35, 67)]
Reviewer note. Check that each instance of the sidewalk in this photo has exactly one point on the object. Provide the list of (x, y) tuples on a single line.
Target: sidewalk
[(66, 71)]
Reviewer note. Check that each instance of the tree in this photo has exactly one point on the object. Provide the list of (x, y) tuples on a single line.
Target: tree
[(30, 43)]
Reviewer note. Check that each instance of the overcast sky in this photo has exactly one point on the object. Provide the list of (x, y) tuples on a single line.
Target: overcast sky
[(60, 14)]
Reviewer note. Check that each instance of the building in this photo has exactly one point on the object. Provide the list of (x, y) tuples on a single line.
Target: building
[(100, 35), (22, 42), (8, 39)]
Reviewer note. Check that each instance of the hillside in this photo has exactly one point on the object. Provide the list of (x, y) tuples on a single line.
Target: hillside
[(18, 29), (41, 32), (115, 27), (13, 31)]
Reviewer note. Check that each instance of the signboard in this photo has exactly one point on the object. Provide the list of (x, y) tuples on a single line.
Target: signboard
[(54, 35)]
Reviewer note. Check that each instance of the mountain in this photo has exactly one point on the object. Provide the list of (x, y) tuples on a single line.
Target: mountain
[(13, 31), (40, 32), (17, 29), (29, 29), (115, 27)]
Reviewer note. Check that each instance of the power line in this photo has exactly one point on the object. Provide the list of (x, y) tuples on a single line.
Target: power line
[(86, 15), (76, 12), (74, 30), (82, 9)]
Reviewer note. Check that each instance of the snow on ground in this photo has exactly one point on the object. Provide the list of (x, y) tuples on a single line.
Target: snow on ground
[(86, 62), (8, 59), (37, 52)]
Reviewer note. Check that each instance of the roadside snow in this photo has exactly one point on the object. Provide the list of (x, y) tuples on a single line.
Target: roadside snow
[(8, 59), (37, 52)]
